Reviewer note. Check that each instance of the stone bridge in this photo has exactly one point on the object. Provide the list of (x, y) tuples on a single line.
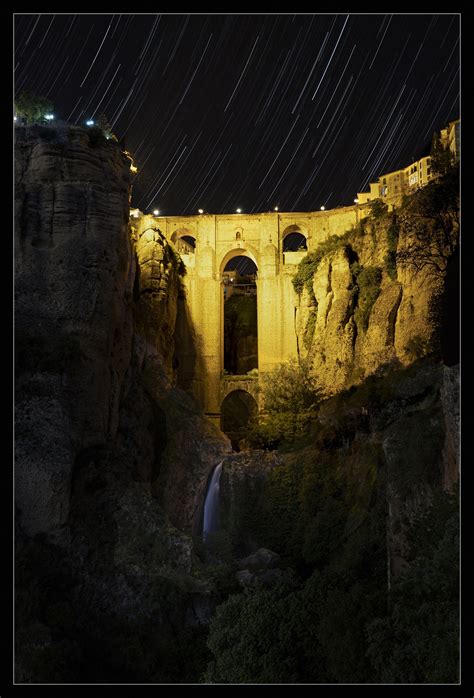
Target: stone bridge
[(261, 237)]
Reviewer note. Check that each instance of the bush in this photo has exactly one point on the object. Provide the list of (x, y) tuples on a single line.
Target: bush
[(368, 282), (417, 347), (378, 209), (290, 388), (32, 107), (291, 396)]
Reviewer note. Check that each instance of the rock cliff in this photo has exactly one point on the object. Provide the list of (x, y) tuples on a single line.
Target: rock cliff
[(373, 294), (110, 454)]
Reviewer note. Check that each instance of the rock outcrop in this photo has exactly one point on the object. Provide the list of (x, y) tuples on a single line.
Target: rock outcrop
[(111, 455), (399, 327)]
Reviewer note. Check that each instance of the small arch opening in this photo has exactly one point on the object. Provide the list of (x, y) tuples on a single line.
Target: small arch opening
[(184, 241), (237, 411), (295, 242)]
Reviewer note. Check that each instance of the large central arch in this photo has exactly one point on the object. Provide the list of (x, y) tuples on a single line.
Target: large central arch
[(233, 292)]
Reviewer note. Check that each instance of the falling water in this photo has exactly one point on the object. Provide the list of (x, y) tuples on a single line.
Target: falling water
[(211, 503)]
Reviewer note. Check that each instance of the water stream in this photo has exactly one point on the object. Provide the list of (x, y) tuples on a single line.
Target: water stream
[(211, 503)]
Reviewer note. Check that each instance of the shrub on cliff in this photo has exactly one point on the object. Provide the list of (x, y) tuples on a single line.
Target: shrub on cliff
[(378, 209), (368, 282), (32, 107)]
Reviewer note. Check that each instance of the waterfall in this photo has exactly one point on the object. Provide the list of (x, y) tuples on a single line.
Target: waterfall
[(211, 503)]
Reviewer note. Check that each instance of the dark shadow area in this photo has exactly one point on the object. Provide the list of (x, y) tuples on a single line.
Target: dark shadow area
[(185, 356), (450, 327), (237, 410)]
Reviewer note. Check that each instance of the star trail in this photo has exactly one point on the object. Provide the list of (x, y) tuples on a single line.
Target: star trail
[(250, 111)]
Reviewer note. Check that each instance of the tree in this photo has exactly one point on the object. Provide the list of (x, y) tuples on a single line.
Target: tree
[(105, 127), (430, 222), (32, 107), (378, 209), (442, 159), (291, 396)]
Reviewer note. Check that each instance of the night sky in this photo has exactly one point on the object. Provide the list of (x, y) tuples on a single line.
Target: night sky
[(249, 111)]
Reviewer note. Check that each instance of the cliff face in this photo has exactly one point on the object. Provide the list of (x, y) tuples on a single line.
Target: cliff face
[(362, 310), (110, 453), (74, 267), (96, 313)]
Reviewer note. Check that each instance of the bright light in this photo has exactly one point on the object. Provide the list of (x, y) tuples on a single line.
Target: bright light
[(156, 212), (239, 210), (49, 117), (200, 210), (322, 208), (89, 122), (276, 208), (133, 169), (356, 201), (15, 118)]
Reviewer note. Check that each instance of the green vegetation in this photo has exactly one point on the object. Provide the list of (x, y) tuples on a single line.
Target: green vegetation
[(333, 618), (378, 209), (309, 264), (32, 108), (291, 397), (310, 326), (430, 220), (442, 159), (368, 280)]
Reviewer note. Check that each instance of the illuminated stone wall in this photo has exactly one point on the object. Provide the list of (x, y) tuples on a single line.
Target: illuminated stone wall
[(220, 238)]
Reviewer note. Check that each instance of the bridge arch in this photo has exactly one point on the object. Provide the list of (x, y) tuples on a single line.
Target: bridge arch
[(294, 234), (237, 251), (238, 408)]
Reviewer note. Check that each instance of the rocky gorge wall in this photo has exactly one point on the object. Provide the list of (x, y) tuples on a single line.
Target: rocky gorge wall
[(112, 457), (348, 329), (96, 315)]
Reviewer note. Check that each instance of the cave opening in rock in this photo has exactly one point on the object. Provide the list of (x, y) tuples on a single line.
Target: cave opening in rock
[(237, 411), (240, 316)]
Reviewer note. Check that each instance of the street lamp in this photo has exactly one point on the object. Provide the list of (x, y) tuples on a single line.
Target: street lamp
[(238, 210), (276, 208), (323, 208), (156, 212), (90, 122), (200, 210)]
